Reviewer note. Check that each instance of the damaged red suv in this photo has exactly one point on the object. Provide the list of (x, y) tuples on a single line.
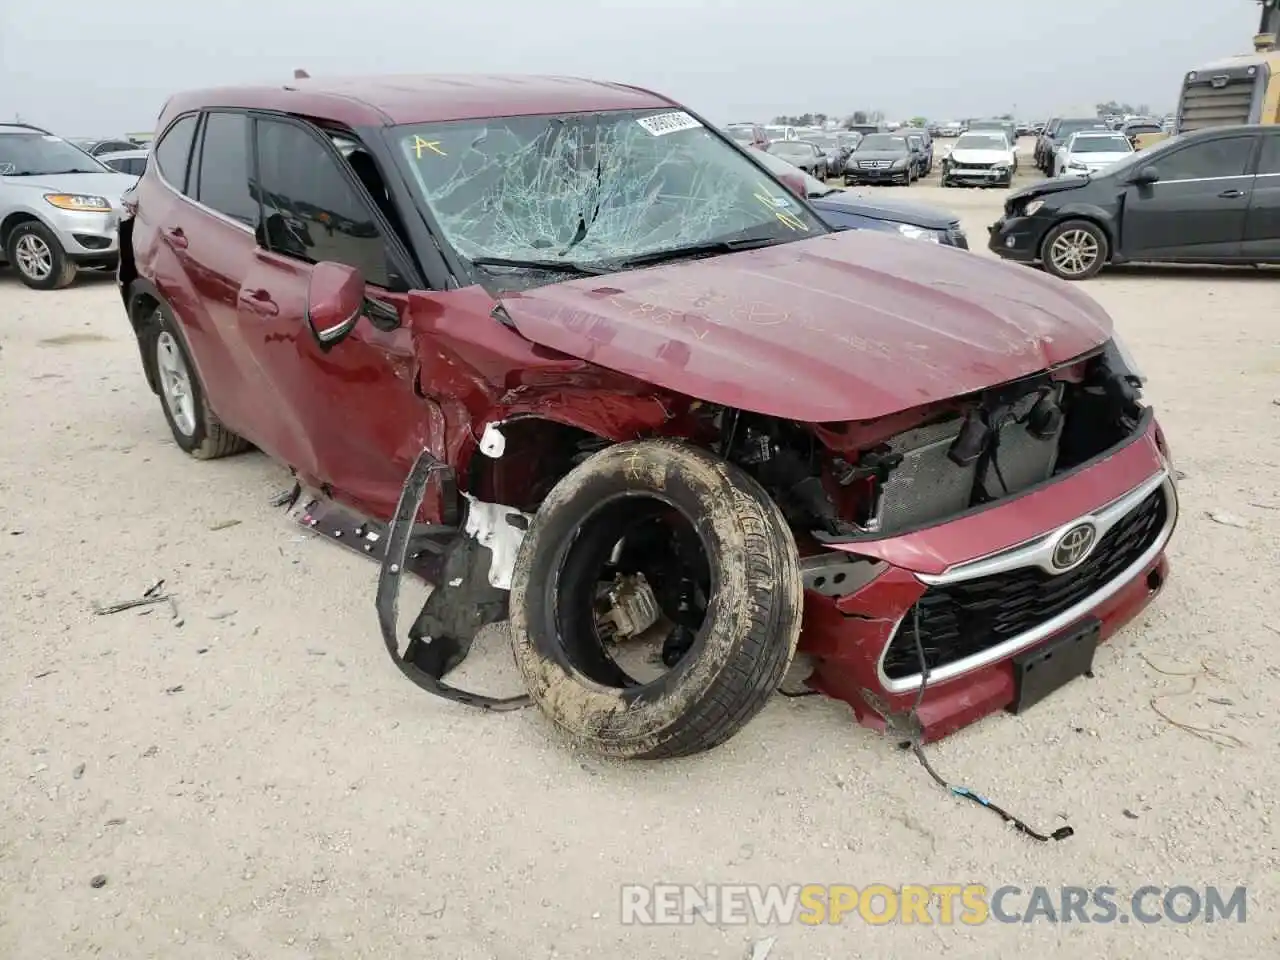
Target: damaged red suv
[(567, 352)]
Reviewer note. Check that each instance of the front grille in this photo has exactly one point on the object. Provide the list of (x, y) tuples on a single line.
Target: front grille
[(1205, 105), (960, 620), (972, 166), (874, 164)]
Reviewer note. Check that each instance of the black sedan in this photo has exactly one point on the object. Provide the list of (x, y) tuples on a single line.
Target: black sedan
[(1211, 196), (802, 154), (881, 158)]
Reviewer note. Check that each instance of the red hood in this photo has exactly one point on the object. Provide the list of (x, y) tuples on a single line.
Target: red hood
[(846, 326)]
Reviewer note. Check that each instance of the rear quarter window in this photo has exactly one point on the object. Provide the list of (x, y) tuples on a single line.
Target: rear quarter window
[(173, 151)]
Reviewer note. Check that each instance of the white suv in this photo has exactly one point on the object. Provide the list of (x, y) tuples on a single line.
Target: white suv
[(58, 207)]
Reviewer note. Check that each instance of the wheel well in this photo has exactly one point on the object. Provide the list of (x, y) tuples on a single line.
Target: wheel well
[(12, 221), (536, 454), (1087, 218)]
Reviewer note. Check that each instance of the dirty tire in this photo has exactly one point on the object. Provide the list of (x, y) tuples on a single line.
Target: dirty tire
[(748, 637), (209, 440), (61, 270)]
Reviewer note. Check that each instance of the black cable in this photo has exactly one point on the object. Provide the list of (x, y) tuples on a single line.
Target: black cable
[(918, 749)]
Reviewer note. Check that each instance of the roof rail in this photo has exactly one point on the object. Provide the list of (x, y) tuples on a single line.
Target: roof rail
[(27, 126)]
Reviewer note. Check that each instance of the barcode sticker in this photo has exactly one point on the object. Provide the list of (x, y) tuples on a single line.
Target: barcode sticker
[(660, 124)]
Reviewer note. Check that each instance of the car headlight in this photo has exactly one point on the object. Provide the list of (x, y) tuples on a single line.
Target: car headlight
[(1077, 165), (1031, 207), (83, 203), (901, 162), (918, 233)]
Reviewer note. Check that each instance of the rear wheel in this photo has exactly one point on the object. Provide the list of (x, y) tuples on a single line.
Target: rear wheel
[(1074, 250), (34, 251), (655, 542), (196, 429)]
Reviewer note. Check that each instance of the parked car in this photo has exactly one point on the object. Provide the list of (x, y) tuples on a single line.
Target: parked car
[(982, 158), (96, 148), (1090, 151), (843, 209), (881, 158), (1007, 127), (647, 394), (1144, 133), (921, 145), (836, 147), (58, 207), (1057, 135), (866, 129), (748, 134), (1204, 197), (132, 162), (803, 154), (1043, 140)]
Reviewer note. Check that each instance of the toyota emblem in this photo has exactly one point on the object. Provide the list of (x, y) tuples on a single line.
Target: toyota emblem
[(1073, 546)]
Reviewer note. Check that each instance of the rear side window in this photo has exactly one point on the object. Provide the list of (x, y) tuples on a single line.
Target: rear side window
[(311, 210), (174, 148), (224, 168), (1228, 157), (1269, 162)]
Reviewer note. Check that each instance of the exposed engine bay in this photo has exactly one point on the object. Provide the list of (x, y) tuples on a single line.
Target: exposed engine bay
[(882, 478)]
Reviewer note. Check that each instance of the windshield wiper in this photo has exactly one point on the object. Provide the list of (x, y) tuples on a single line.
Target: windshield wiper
[(551, 266), (693, 249), (59, 173)]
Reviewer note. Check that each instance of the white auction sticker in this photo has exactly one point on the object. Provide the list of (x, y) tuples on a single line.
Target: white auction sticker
[(661, 124)]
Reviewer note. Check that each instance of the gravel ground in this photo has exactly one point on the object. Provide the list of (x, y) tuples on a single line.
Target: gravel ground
[(254, 779)]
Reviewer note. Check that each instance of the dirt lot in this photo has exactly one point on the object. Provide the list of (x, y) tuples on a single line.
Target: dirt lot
[(256, 780)]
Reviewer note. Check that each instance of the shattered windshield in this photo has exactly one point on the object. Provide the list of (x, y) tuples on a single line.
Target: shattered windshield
[(39, 154), (592, 189)]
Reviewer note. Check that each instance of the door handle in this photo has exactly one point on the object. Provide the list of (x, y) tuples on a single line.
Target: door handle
[(260, 301), (177, 237), (1231, 194)]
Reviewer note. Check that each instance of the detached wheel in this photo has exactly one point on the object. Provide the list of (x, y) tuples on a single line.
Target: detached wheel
[(1074, 250), (34, 251), (725, 600), (196, 429)]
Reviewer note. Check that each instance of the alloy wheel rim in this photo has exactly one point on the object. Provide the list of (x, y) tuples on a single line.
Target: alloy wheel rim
[(34, 257), (175, 383), (1074, 252)]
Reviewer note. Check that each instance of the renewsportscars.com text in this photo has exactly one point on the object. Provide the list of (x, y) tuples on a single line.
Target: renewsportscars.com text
[(944, 904)]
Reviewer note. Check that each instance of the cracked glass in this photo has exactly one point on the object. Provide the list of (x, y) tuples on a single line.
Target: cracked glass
[(591, 191)]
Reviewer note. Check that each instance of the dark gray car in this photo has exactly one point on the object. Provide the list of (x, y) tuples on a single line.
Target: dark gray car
[(803, 154)]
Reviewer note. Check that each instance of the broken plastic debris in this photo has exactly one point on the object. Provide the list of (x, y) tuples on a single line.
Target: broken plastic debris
[(492, 442), (490, 524), (761, 949)]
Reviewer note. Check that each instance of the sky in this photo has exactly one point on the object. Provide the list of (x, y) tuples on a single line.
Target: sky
[(101, 69)]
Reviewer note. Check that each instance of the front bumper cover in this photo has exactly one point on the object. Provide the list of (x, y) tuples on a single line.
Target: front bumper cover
[(847, 635)]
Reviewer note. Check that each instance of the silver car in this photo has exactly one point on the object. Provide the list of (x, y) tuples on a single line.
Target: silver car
[(59, 207)]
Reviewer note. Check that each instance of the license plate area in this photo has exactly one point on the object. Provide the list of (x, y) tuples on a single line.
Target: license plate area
[(1040, 672)]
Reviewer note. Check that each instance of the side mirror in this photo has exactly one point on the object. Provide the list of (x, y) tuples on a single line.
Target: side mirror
[(1146, 176), (795, 183), (335, 300)]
